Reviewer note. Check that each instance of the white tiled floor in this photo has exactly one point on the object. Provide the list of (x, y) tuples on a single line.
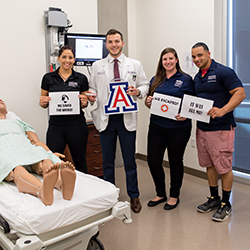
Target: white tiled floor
[(182, 228)]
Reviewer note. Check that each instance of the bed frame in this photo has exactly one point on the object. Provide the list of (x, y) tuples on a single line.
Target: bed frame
[(80, 235)]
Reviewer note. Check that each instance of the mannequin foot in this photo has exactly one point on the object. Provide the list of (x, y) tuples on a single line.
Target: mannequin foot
[(68, 176), (49, 180), (26, 182)]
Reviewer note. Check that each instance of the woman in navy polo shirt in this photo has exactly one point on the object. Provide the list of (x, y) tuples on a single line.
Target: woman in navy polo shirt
[(165, 133), (67, 129)]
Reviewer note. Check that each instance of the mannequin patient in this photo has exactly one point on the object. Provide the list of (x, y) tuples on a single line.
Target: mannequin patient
[(20, 147)]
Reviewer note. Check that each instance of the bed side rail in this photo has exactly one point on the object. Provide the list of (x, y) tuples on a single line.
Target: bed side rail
[(120, 210)]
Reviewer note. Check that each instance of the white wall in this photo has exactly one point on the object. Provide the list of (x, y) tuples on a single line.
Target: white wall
[(152, 26), (157, 24), (22, 61)]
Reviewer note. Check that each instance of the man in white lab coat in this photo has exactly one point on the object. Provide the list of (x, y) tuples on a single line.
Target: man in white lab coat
[(121, 125)]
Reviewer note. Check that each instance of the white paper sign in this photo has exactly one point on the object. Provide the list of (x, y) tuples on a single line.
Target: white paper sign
[(196, 108), (64, 103), (165, 105)]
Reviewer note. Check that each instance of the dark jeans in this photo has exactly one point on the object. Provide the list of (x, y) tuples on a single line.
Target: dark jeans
[(175, 141), (75, 136), (127, 141)]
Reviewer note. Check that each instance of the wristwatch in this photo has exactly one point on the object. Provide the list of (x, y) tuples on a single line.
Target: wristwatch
[(85, 106)]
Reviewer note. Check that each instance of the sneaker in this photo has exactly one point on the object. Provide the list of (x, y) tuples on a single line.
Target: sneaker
[(223, 212), (212, 203)]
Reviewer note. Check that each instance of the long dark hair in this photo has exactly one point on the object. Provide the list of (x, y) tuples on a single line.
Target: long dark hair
[(161, 72)]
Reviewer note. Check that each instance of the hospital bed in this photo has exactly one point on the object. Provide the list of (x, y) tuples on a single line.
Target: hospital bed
[(27, 224)]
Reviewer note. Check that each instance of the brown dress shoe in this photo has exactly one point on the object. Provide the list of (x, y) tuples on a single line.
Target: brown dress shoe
[(135, 205)]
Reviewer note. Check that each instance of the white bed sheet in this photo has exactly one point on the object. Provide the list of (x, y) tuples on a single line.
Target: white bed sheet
[(28, 215)]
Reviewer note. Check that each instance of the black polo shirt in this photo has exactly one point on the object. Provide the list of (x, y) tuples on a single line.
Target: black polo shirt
[(52, 82)]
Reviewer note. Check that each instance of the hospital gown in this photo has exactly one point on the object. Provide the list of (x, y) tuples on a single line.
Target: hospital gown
[(16, 149)]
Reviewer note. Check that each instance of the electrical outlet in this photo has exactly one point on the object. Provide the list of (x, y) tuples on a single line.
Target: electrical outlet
[(193, 143)]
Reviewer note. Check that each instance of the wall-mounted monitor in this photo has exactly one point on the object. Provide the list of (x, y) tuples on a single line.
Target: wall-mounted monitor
[(88, 47)]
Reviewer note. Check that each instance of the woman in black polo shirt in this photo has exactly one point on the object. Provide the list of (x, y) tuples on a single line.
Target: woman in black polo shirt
[(67, 129)]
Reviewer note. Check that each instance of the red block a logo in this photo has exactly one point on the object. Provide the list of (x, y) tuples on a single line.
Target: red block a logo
[(119, 101)]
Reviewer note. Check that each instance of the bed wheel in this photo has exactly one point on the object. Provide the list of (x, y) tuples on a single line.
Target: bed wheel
[(95, 244), (127, 221)]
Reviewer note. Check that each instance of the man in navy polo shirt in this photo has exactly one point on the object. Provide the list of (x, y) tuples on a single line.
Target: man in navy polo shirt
[(215, 139)]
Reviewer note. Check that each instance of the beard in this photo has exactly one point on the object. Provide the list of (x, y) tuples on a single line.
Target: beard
[(116, 54)]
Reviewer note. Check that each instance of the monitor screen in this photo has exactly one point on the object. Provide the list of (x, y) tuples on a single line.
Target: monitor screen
[(88, 47)]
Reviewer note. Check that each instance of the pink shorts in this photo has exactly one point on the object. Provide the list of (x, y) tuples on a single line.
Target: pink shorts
[(215, 148)]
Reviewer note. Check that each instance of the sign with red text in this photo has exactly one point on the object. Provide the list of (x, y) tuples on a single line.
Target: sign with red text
[(196, 108), (165, 105), (119, 101), (64, 103)]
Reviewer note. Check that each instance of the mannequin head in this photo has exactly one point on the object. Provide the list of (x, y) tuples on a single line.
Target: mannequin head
[(3, 109)]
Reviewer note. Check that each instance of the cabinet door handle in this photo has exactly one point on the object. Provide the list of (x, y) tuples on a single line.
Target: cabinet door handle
[(97, 151), (97, 168), (95, 135)]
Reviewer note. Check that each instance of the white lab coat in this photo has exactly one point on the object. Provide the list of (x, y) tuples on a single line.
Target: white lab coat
[(99, 83)]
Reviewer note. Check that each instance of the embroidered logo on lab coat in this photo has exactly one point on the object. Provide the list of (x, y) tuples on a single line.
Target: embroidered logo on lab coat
[(119, 101), (134, 75)]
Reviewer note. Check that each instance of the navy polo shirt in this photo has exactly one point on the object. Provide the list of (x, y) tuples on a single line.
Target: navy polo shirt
[(215, 85), (177, 85), (52, 82)]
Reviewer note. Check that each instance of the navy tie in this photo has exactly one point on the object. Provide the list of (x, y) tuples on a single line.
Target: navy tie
[(116, 71)]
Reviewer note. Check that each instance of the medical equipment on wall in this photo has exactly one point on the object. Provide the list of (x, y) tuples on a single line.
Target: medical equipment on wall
[(56, 24), (88, 47)]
